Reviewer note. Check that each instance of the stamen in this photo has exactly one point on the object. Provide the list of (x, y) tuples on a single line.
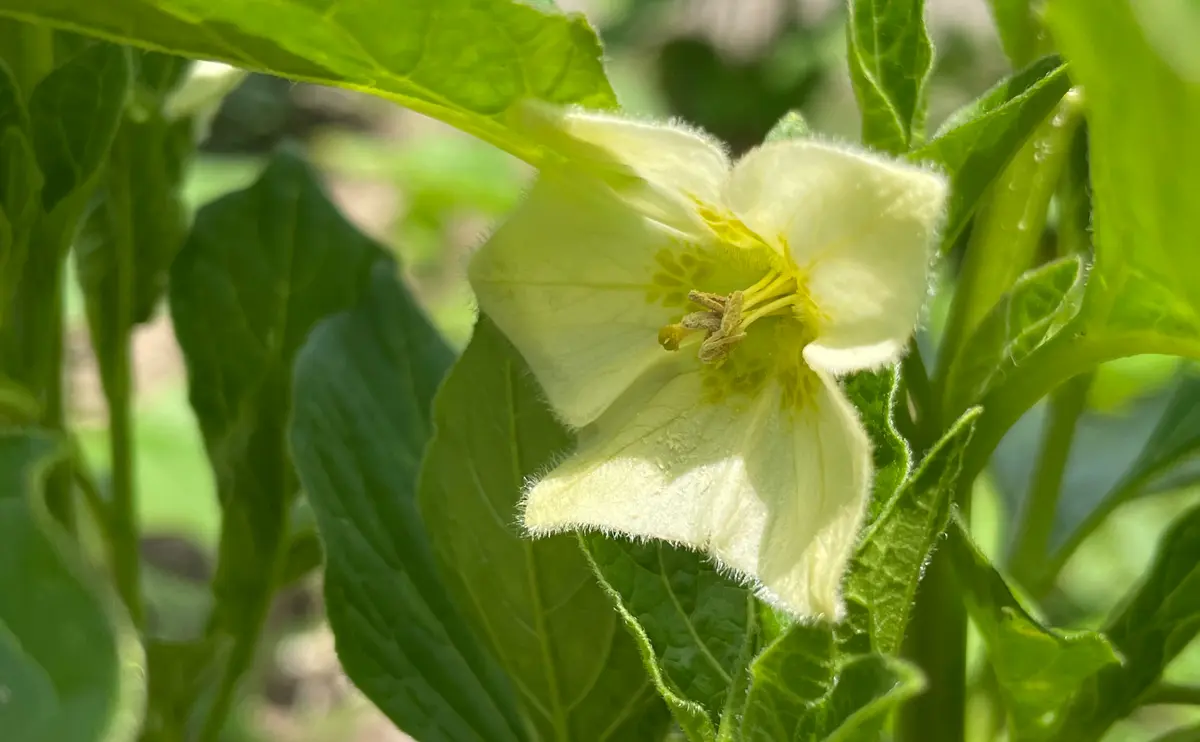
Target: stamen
[(710, 321), (715, 302), (771, 290), (782, 302)]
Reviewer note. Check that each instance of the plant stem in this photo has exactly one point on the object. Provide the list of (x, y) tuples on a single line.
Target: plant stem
[(1037, 522), (926, 413), (1172, 694)]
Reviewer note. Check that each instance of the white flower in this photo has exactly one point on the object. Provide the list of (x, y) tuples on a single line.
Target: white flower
[(690, 317)]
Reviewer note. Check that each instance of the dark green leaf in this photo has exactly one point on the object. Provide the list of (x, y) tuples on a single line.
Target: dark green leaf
[(1038, 669), (74, 112), (467, 62), (1146, 226), (881, 584), (1040, 303), (536, 602), (259, 270), (696, 628), (976, 143), (364, 384), (1153, 625), (874, 394), (890, 58), (1020, 32), (69, 661), (804, 690), (1174, 440), (138, 224)]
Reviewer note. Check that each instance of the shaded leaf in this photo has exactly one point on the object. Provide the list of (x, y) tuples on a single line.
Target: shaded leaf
[(406, 50), (363, 388), (803, 689), (74, 113), (1020, 32), (260, 268), (696, 628), (881, 584), (70, 662), (890, 59), (977, 142), (1040, 303), (1153, 625), (1038, 669), (535, 602)]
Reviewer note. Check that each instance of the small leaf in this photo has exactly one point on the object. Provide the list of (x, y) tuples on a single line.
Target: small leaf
[(874, 395), (695, 627), (576, 669), (1038, 669), (890, 60), (804, 690), (791, 126), (70, 664), (259, 270), (881, 584), (977, 142), (73, 113), (1040, 303), (364, 384), (467, 62), (1152, 626)]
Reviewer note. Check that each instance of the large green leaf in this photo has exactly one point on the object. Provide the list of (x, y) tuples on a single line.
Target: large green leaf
[(364, 385), (890, 58), (1154, 624), (74, 113), (881, 584), (259, 270), (467, 62), (1146, 224), (536, 602), (803, 689), (1038, 669), (69, 660), (1038, 306), (978, 141), (696, 628)]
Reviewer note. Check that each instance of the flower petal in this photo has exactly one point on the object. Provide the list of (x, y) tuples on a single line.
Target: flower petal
[(567, 279), (862, 227), (773, 494), (673, 167)]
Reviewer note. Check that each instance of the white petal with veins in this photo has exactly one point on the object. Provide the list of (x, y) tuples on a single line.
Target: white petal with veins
[(861, 226), (774, 495), (566, 278)]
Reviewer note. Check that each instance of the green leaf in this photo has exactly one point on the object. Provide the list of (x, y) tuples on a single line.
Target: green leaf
[(70, 662), (890, 59), (1038, 669), (696, 628), (138, 223), (1146, 227), (881, 584), (976, 143), (466, 62), (536, 602), (1037, 307), (1153, 625), (364, 384), (791, 126), (874, 394), (74, 113), (260, 268), (804, 690), (1020, 32)]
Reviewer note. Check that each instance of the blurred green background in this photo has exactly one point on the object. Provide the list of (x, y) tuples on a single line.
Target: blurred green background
[(431, 193)]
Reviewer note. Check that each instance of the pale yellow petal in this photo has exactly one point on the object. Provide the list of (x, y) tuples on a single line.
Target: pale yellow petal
[(568, 278), (773, 495), (661, 169), (863, 227)]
